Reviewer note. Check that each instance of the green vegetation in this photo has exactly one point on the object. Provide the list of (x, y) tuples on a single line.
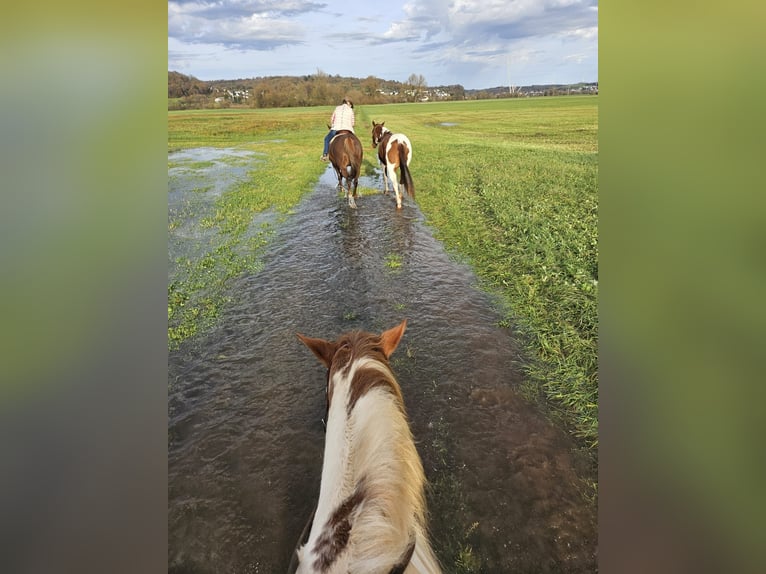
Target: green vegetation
[(284, 172), (321, 89), (511, 187), (393, 261), (508, 185)]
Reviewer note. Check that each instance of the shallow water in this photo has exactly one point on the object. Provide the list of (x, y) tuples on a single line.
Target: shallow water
[(195, 181), (245, 437)]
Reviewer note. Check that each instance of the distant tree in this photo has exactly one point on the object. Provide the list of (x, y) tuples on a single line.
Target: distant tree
[(180, 85), (417, 84), (370, 86), (320, 89)]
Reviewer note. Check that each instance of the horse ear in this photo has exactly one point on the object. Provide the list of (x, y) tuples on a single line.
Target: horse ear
[(373, 123), (392, 337), (324, 350)]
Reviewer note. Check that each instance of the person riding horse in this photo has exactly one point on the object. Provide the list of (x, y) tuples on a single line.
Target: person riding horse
[(342, 119)]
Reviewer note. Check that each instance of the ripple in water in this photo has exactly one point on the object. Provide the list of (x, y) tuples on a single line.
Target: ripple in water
[(245, 404)]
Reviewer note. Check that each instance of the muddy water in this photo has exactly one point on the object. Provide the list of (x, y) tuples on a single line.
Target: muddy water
[(245, 403)]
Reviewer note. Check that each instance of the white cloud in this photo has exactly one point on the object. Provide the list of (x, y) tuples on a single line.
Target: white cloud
[(247, 24), (590, 33), (477, 20)]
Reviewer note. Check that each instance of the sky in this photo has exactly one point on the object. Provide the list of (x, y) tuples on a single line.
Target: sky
[(475, 43)]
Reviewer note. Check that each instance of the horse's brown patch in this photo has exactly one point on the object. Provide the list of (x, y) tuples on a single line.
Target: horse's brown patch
[(404, 561), (357, 345), (337, 530), (367, 379), (393, 154)]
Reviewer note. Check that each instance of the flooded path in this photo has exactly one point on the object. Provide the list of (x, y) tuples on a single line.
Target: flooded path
[(245, 437)]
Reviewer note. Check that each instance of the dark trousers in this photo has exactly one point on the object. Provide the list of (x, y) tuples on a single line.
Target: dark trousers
[(327, 139)]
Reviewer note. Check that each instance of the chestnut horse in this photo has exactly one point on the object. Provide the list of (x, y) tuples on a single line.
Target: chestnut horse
[(371, 514), (394, 151), (345, 154)]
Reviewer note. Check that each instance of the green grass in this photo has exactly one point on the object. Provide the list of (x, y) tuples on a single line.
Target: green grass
[(511, 189)]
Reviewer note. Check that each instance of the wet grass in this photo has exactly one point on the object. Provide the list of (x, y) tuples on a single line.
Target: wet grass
[(512, 187), (283, 172)]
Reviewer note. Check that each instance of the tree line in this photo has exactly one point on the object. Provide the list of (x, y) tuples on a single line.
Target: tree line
[(188, 92), (321, 89)]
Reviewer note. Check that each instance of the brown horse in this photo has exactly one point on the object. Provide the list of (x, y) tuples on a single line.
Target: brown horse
[(346, 157), (394, 151)]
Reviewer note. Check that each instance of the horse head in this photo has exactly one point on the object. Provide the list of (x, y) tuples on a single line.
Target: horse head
[(378, 131)]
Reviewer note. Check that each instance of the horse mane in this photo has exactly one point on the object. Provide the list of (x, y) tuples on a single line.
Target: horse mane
[(371, 515)]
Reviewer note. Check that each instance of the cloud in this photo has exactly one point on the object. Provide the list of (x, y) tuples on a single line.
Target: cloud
[(465, 21), (459, 41), (242, 24), (467, 37), (215, 10)]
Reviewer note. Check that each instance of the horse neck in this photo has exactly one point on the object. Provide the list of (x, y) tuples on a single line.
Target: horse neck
[(348, 435), (371, 446)]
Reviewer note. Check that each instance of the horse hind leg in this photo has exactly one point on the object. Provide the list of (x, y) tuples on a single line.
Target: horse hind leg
[(354, 195), (385, 181), (351, 196), (391, 168)]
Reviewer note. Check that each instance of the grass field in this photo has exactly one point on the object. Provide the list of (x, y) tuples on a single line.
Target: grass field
[(512, 187), (509, 185)]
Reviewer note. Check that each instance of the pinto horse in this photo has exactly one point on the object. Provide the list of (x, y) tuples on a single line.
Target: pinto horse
[(394, 151), (345, 154), (371, 514)]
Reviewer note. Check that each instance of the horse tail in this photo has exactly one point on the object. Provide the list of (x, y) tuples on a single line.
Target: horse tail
[(406, 177), (351, 169), (351, 150)]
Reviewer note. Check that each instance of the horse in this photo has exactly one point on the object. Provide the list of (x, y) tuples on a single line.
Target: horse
[(394, 151), (371, 513), (345, 154)]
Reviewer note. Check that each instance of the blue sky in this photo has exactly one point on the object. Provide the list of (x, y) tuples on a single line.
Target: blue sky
[(476, 43)]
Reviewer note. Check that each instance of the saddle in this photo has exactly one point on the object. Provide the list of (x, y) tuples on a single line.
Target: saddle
[(340, 133)]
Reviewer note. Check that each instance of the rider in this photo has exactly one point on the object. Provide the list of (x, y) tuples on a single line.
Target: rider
[(342, 119)]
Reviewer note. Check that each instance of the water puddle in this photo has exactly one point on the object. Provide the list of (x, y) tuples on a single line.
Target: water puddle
[(196, 178), (448, 124), (245, 403)]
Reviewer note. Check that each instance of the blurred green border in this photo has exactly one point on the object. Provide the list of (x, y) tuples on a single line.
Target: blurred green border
[(682, 281)]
